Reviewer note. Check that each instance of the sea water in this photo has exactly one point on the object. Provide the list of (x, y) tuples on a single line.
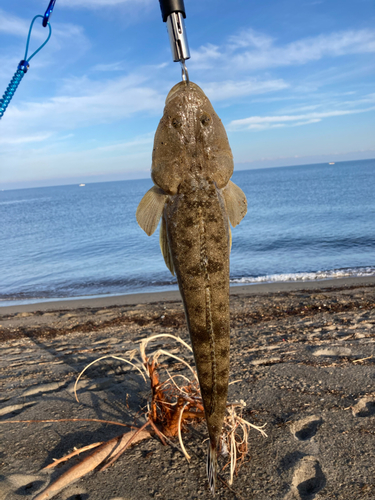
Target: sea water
[(303, 223)]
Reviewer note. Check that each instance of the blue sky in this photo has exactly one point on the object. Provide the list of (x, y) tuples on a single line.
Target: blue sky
[(292, 80)]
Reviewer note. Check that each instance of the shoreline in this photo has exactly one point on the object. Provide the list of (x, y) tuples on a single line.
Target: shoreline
[(167, 296)]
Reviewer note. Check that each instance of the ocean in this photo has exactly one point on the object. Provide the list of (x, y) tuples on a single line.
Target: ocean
[(303, 223)]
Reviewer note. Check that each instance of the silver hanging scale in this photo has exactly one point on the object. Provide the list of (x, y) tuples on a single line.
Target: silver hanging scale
[(173, 13)]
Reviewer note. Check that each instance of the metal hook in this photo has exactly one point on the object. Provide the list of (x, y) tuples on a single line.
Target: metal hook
[(185, 74), (48, 12)]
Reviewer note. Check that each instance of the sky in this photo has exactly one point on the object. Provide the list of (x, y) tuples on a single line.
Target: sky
[(292, 81)]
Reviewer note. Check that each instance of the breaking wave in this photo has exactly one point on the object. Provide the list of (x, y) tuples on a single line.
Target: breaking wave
[(358, 272)]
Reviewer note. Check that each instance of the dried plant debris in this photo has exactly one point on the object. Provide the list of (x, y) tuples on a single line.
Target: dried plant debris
[(175, 403)]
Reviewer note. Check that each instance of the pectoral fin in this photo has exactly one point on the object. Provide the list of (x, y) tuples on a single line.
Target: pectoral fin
[(150, 209), (235, 202), (164, 246)]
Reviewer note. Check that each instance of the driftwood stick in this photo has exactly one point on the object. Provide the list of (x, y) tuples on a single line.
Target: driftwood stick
[(64, 420), (71, 455), (123, 446), (105, 452)]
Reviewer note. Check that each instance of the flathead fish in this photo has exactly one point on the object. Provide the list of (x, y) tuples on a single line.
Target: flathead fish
[(191, 168)]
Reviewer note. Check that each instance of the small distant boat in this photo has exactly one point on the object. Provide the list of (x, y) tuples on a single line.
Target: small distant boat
[(81, 185), (332, 163)]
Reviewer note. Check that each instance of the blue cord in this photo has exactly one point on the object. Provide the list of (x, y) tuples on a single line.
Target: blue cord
[(21, 70), (28, 39), (9, 93)]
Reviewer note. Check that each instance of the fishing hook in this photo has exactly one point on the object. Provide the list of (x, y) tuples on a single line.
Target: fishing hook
[(185, 74)]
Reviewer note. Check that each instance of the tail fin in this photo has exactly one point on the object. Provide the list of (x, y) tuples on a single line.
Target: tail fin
[(212, 467)]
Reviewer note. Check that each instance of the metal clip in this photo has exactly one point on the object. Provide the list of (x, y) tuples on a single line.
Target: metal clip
[(48, 12), (177, 37)]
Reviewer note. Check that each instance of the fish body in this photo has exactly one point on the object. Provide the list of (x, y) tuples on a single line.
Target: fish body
[(191, 168)]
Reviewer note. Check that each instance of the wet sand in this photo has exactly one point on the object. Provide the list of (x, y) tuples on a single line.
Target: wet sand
[(305, 357)]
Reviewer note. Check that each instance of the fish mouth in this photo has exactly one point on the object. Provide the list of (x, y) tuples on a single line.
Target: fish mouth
[(183, 87)]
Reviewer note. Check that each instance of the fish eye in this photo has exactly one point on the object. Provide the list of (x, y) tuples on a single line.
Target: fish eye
[(205, 119), (176, 123)]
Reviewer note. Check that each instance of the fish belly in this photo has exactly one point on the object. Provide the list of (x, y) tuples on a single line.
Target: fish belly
[(197, 228)]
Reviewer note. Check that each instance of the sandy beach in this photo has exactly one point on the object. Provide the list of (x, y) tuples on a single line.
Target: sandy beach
[(303, 356)]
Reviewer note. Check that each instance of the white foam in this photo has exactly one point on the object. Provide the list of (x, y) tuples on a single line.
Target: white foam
[(358, 272)]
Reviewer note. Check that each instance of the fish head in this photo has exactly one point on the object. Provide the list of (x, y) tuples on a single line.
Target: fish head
[(191, 144)]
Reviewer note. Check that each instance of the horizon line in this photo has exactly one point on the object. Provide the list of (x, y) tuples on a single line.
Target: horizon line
[(81, 181)]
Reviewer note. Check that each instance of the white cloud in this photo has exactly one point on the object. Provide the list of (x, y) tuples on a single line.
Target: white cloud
[(265, 122), (17, 26), (314, 48), (307, 122), (64, 35), (121, 66), (252, 50), (138, 143), (115, 66), (251, 38), (302, 96), (96, 102), (369, 98), (229, 89), (24, 139), (205, 56), (301, 109), (13, 25)]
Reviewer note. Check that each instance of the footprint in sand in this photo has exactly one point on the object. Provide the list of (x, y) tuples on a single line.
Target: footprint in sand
[(307, 428), (19, 486), (308, 477), (308, 480), (364, 408)]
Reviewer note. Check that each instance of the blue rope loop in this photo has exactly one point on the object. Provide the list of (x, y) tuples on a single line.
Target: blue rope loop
[(28, 39), (21, 70)]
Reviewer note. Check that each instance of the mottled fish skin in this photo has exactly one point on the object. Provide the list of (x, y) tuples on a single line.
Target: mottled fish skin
[(198, 236), (191, 168)]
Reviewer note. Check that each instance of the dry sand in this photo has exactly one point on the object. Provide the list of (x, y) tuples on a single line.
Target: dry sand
[(305, 358)]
